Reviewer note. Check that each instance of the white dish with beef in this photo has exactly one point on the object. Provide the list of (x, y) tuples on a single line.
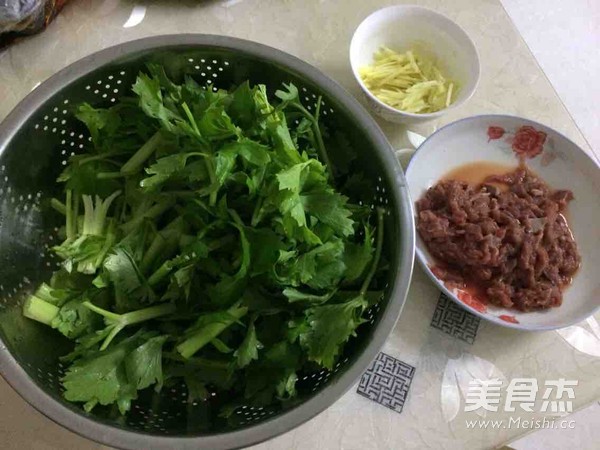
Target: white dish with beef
[(531, 258)]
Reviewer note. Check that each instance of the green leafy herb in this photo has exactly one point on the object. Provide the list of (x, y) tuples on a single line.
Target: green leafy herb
[(206, 242), (248, 351)]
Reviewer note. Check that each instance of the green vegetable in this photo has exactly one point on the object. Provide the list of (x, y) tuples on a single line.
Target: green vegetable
[(116, 374), (330, 326), (37, 309), (88, 240), (211, 330), (206, 242), (249, 348)]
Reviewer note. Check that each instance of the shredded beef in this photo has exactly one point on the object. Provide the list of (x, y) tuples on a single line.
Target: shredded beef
[(515, 244)]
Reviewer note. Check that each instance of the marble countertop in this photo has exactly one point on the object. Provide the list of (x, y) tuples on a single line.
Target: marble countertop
[(436, 347)]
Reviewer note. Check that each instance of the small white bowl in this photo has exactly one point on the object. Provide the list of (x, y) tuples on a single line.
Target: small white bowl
[(562, 164), (406, 27)]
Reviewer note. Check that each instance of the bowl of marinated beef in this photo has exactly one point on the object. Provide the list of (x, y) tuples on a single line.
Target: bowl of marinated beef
[(507, 214)]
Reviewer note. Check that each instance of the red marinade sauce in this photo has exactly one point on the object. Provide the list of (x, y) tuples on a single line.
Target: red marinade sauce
[(467, 291), (507, 318)]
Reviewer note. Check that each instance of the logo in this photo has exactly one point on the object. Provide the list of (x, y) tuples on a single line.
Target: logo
[(521, 393)]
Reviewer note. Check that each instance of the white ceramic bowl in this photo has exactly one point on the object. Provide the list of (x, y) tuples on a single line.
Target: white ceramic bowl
[(407, 26), (562, 164)]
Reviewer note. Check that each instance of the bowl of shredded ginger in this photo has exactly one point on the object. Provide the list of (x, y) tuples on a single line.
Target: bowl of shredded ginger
[(413, 64), (408, 81)]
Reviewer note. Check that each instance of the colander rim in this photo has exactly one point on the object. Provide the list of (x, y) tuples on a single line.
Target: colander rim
[(107, 434)]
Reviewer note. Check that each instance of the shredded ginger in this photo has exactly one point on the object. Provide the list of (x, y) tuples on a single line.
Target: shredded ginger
[(408, 82)]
